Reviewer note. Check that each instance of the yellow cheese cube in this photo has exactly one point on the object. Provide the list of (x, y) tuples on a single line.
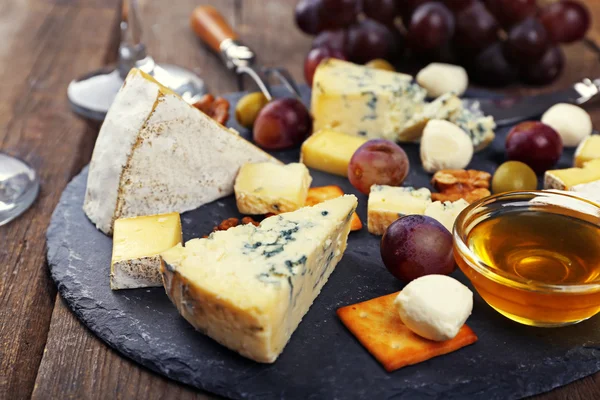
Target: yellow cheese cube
[(564, 179), (330, 151), (587, 150), (137, 243), (388, 203), (263, 188)]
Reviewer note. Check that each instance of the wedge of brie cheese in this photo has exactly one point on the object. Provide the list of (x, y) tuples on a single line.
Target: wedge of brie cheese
[(249, 287), (137, 244), (361, 101), (157, 154)]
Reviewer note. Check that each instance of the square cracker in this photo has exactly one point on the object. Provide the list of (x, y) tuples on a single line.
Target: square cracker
[(319, 194), (378, 327)]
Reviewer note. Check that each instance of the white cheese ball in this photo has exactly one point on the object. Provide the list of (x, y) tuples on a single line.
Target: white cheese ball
[(571, 122), (445, 146), (435, 306), (440, 78)]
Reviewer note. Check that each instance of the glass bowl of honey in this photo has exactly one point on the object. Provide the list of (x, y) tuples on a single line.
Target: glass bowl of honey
[(533, 256)]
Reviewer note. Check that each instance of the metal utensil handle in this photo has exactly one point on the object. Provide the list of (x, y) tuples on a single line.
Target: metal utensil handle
[(587, 90), (131, 48)]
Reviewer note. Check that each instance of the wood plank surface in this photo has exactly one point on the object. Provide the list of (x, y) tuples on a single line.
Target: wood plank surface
[(44, 45), (45, 352)]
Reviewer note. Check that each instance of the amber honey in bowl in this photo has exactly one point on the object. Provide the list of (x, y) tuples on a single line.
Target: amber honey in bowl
[(538, 265)]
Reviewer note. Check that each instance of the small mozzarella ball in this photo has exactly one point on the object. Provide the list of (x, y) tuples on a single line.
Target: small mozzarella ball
[(572, 123), (435, 306), (440, 78), (445, 146)]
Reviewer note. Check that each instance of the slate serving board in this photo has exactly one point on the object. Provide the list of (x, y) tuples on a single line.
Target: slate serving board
[(322, 360)]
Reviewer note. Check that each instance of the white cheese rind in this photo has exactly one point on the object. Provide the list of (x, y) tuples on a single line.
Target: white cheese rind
[(136, 273), (157, 154), (435, 306), (249, 287)]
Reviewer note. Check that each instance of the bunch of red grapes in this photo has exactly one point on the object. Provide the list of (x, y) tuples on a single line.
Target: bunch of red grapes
[(497, 41)]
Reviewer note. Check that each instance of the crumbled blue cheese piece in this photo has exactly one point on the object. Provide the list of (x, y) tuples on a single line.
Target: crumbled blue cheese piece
[(479, 127), (444, 107), (446, 212)]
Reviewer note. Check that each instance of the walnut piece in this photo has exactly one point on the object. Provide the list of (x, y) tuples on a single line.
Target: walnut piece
[(231, 222), (454, 184), (216, 108)]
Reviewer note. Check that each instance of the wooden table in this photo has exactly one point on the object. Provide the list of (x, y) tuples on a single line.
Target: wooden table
[(45, 352)]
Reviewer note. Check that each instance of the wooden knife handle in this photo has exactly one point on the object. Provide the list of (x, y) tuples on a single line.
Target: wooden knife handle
[(210, 26)]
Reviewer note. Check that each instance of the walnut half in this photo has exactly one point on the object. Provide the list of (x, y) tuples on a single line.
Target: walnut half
[(454, 184), (216, 108)]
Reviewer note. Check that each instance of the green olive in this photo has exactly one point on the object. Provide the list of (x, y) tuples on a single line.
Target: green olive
[(248, 107), (380, 63), (513, 175)]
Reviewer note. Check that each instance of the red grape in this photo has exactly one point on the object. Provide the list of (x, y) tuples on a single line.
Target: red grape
[(314, 58), (308, 16), (535, 144), (378, 162), (383, 11), (367, 41), (457, 5), (490, 67), (431, 27), (509, 12), (332, 39), (476, 28), (339, 13), (527, 42), (546, 70), (314, 16), (566, 21), (407, 7), (281, 124), (416, 245)]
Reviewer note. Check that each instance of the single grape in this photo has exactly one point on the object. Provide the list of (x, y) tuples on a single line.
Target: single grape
[(513, 175), (377, 162), (332, 39), (367, 41), (383, 11), (535, 144), (509, 12), (431, 27), (566, 21), (416, 245), (491, 68), (283, 123), (457, 5), (476, 28), (314, 58), (308, 16), (338, 14), (546, 70), (527, 42), (248, 107), (405, 8)]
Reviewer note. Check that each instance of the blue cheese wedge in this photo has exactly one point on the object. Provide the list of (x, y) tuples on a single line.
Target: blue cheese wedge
[(156, 154), (249, 287), (388, 203), (444, 107), (362, 101), (137, 244), (479, 127), (262, 188), (446, 212)]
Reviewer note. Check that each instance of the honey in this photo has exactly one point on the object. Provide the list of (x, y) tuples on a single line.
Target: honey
[(542, 266)]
